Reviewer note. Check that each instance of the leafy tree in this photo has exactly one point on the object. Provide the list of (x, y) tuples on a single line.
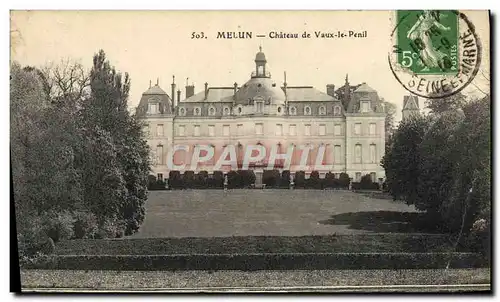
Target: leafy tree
[(449, 103), (470, 194), (402, 161), (107, 108)]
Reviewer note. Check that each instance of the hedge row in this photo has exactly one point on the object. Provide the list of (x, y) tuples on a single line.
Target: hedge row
[(311, 261), (362, 243)]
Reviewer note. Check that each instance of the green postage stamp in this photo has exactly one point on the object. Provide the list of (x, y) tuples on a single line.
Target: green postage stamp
[(435, 53), (428, 41)]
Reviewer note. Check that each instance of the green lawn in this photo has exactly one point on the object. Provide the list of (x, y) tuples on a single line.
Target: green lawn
[(215, 213)]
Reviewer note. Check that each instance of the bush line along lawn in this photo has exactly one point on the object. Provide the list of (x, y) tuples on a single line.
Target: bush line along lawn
[(380, 243), (264, 261)]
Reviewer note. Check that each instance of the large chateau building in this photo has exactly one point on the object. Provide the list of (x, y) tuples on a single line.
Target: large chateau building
[(346, 123)]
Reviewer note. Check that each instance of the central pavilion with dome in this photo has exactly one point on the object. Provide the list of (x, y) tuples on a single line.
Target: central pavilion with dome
[(348, 122)]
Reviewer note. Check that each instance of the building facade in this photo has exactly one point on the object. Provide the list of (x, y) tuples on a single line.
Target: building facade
[(338, 131)]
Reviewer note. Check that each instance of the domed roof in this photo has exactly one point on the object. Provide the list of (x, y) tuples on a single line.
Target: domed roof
[(260, 56), (155, 90), (263, 88)]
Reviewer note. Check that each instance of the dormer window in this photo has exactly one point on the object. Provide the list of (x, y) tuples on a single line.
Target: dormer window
[(197, 111), (336, 110), (322, 110), (307, 110), (211, 111), (153, 108), (226, 111), (365, 106), (293, 110), (182, 111)]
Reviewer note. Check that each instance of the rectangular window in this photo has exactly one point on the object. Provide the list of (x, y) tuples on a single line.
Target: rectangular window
[(225, 130), (373, 153), (159, 130), (307, 130), (358, 177), (357, 154), (279, 129), (373, 176), (211, 130), (293, 130), (365, 106), (373, 128), (159, 176), (357, 129), (337, 129), (322, 129), (196, 130), (182, 130), (145, 129), (259, 128), (159, 154), (337, 154), (240, 129)]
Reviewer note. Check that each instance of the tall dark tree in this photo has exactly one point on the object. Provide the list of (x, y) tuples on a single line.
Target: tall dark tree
[(401, 161), (107, 108)]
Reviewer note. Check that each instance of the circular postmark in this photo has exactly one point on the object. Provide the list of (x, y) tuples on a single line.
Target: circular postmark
[(434, 54)]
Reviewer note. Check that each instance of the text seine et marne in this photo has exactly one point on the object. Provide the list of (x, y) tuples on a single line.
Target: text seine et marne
[(284, 35)]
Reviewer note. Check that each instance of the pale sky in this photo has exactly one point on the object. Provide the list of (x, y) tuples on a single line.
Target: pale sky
[(157, 44)]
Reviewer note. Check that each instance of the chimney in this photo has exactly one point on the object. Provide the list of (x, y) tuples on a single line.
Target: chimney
[(206, 90), (189, 89), (173, 94), (178, 95), (235, 89), (330, 90)]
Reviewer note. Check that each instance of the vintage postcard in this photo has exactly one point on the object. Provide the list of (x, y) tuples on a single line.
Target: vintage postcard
[(251, 151)]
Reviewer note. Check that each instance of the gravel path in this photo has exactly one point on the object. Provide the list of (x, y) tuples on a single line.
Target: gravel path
[(156, 280)]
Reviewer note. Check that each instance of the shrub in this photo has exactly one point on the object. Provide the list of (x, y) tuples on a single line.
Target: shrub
[(365, 184), (217, 180), (188, 179), (58, 225), (175, 180), (314, 182), (201, 180), (271, 178), (247, 178), (85, 225), (300, 179), (330, 181), (31, 238), (111, 228), (344, 180), (233, 180), (285, 179)]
